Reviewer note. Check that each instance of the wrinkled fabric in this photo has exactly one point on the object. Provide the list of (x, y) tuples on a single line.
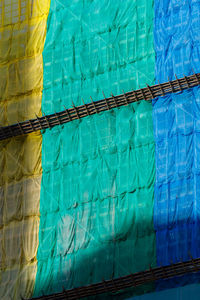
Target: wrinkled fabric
[(97, 188), (176, 212), (22, 34), (176, 38), (189, 292), (177, 137)]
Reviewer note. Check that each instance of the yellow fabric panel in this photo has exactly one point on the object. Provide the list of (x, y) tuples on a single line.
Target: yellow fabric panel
[(23, 157), (15, 281), (19, 237), (22, 36)]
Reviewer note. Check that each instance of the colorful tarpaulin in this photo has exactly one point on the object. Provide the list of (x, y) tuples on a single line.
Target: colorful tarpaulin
[(22, 36), (95, 221), (119, 190), (177, 136)]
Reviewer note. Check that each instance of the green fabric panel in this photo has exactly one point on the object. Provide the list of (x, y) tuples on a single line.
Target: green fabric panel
[(98, 173), (94, 45)]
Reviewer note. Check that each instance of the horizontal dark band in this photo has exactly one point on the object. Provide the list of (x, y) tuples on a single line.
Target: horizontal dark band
[(95, 107), (132, 280)]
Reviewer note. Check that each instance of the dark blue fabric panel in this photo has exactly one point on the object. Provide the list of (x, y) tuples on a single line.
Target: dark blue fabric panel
[(177, 188), (177, 137)]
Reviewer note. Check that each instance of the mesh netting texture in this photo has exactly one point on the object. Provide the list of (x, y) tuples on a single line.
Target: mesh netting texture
[(98, 173), (22, 34)]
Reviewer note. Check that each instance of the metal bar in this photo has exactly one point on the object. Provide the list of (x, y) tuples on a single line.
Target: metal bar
[(178, 82), (39, 122), (143, 94), (108, 108), (21, 129), (126, 99), (94, 105), (114, 99), (150, 91), (47, 121), (132, 280), (161, 89), (57, 118), (78, 112), (186, 80), (85, 105)]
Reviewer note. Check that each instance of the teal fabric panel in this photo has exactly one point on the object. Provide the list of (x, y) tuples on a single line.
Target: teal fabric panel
[(96, 45), (97, 188), (189, 292)]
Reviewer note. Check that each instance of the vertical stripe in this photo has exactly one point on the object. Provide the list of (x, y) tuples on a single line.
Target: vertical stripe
[(177, 136), (98, 173), (22, 34)]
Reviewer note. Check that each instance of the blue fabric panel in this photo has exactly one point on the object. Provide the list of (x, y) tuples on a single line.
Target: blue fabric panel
[(177, 190), (176, 38), (189, 292), (177, 136)]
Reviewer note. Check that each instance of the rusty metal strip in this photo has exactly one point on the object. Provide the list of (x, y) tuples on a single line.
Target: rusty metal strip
[(133, 280), (94, 107)]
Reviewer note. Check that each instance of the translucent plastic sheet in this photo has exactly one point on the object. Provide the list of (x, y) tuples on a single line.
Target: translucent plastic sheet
[(177, 137), (22, 34), (97, 190)]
